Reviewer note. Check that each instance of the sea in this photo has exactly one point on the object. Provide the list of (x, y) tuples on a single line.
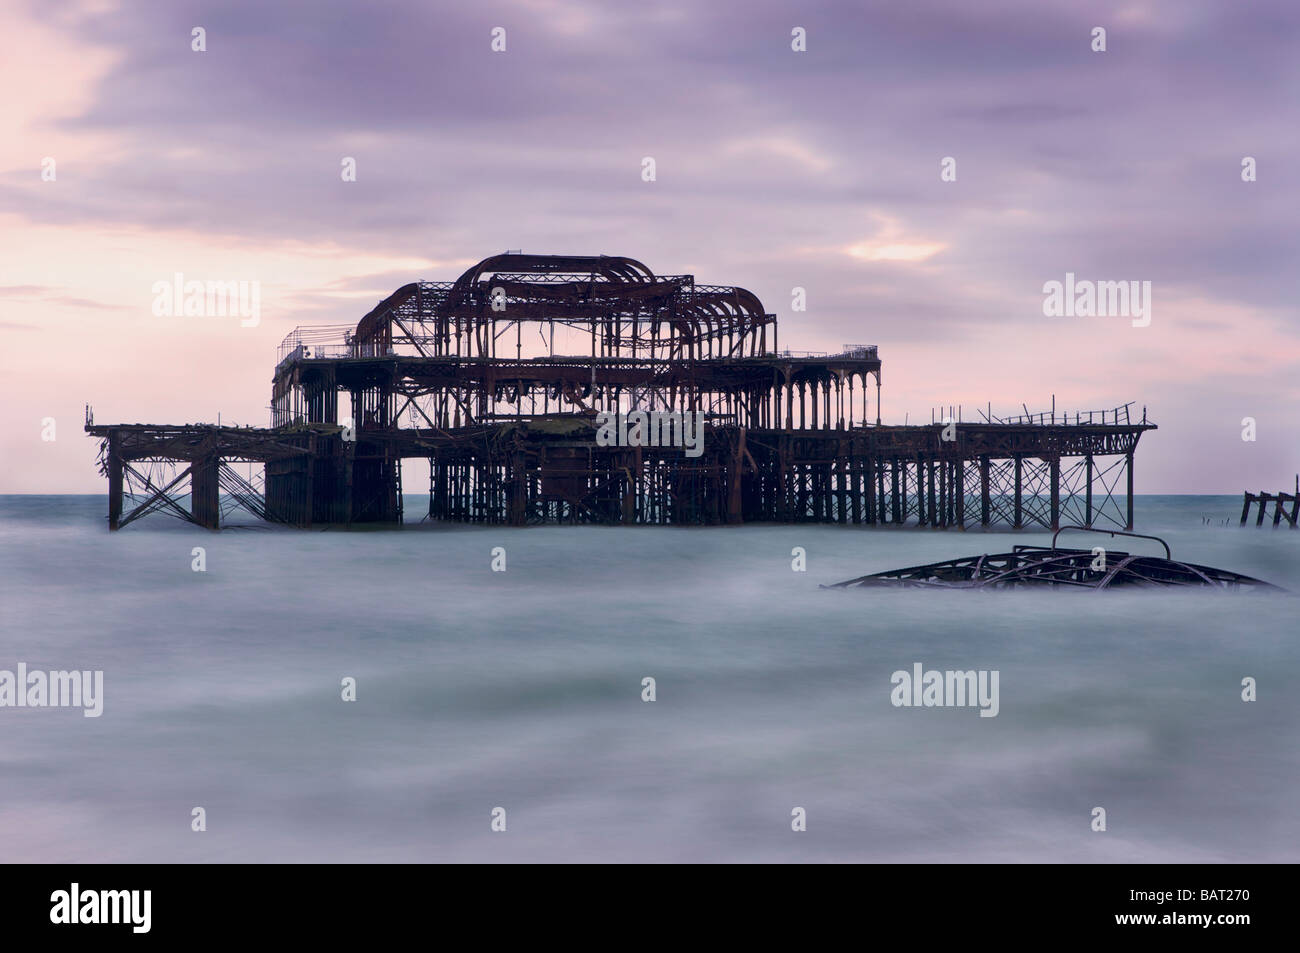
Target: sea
[(451, 693)]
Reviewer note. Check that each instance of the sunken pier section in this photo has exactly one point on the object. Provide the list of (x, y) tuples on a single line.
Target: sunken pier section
[(518, 383), (1279, 500)]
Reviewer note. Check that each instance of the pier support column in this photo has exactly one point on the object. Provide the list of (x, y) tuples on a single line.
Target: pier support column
[(782, 481), (1018, 522), (438, 494), (1128, 461), (898, 509), (309, 482), (1087, 503), (114, 480), (867, 472), (205, 492), (878, 464), (936, 510), (519, 493), (1054, 478), (842, 490), (959, 491), (944, 501), (855, 488), (349, 460), (920, 491), (984, 491), (734, 481)]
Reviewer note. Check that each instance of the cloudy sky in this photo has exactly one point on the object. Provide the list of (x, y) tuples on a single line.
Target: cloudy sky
[(775, 169)]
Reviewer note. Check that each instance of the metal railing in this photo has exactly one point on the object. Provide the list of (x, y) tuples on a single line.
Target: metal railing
[(1115, 416), (316, 352), (857, 352)]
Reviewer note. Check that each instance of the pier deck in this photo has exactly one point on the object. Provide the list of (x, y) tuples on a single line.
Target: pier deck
[(552, 470)]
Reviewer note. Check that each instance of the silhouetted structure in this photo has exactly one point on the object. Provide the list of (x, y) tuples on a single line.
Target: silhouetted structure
[(498, 380), (1056, 567), (1279, 501)]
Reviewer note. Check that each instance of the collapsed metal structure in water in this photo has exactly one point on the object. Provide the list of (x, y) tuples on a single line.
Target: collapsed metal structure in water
[(1034, 567), (470, 376)]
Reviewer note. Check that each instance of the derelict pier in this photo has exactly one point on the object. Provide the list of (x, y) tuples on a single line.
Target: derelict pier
[(499, 381)]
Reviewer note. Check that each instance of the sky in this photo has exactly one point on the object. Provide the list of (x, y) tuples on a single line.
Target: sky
[(128, 156)]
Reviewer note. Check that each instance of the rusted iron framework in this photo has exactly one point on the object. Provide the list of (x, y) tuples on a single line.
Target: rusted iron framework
[(1279, 501), (1036, 567), (499, 379), (519, 337)]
